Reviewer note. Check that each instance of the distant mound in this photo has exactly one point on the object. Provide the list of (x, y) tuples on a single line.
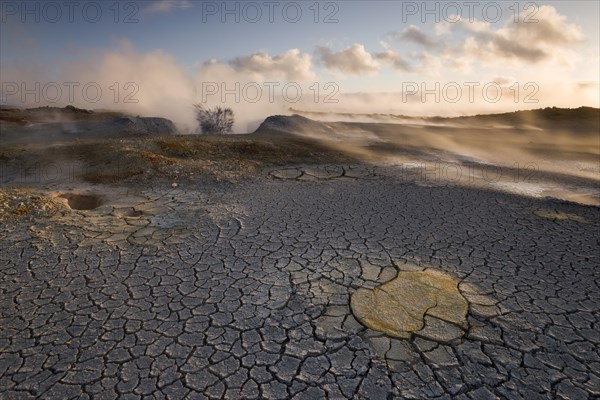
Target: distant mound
[(53, 114), (68, 109), (573, 119), (145, 125), (293, 124), (576, 120), (54, 124)]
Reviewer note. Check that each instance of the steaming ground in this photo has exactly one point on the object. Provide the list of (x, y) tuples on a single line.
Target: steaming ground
[(541, 153), (152, 265)]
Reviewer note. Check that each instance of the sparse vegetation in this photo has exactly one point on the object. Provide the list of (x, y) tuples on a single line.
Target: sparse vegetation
[(214, 121)]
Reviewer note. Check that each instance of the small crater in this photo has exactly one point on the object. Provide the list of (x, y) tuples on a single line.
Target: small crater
[(82, 201)]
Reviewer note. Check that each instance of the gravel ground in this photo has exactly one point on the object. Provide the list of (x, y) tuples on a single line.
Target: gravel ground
[(243, 291)]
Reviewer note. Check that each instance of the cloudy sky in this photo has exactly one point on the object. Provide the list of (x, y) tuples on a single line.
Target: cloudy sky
[(261, 58)]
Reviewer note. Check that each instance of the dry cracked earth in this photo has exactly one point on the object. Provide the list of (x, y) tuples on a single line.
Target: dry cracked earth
[(244, 292)]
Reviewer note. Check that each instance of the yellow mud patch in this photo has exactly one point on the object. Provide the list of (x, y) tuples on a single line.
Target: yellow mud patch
[(398, 308)]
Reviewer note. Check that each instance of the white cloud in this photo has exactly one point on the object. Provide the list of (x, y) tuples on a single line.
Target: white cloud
[(504, 80), (166, 6), (551, 28), (430, 65), (291, 66), (353, 60), (394, 59), (548, 39), (414, 34)]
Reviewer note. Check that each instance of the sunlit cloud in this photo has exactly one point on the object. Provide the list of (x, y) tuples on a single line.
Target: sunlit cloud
[(353, 60), (394, 59), (414, 34), (291, 65), (548, 39)]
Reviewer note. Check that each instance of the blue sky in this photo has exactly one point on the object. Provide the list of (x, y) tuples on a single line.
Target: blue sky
[(366, 48), (193, 37)]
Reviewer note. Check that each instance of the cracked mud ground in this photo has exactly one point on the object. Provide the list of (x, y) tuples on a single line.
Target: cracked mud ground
[(244, 292)]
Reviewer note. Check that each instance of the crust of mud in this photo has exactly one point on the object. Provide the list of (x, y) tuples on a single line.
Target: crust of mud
[(401, 307)]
